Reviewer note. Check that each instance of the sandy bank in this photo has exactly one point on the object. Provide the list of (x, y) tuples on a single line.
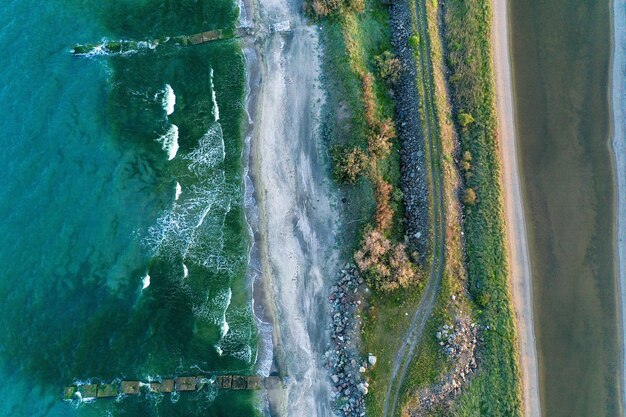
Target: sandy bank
[(521, 284), (618, 107), (297, 220)]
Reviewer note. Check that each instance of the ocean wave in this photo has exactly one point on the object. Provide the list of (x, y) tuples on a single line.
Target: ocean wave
[(216, 109), (169, 142), (179, 191), (237, 343), (169, 99), (145, 282)]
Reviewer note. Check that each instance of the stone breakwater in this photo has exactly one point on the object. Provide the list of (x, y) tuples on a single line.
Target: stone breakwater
[(345, 365), (414, 175)]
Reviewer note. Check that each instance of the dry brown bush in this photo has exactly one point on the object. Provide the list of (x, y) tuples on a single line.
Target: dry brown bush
[(369, 99), (384, 212), (379, 143), (386, 267)]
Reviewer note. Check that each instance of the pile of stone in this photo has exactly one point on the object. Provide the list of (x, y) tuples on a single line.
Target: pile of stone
[(345, 365), (414, 173), (458, 342)]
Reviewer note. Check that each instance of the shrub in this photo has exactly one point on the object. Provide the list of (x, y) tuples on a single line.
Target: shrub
[(389, 67), (483, 299), (356, 5), (465, 119), (380, 139), (414, 41), (322, 8), (348, 163), (469, 197)]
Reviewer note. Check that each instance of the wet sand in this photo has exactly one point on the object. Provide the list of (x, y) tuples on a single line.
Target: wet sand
[(618, 102), (519, 260)]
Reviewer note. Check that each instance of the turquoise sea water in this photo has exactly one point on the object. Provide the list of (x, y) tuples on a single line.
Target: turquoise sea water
[(123, 240)]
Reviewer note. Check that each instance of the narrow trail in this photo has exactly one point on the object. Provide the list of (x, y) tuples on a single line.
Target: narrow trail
[(407, 350)]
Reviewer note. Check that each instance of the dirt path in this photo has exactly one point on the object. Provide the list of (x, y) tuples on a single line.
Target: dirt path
[(521, 284), (407, 350)]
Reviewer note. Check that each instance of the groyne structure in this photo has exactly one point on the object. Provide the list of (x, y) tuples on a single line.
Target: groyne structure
[(107, 47), (169, 385)]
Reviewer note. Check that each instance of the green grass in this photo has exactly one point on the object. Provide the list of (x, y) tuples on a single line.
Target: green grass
[(496, 390)]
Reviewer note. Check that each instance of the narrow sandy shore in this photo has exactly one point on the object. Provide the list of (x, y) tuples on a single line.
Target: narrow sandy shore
[(618, 107), (521, 284), (298, 223)]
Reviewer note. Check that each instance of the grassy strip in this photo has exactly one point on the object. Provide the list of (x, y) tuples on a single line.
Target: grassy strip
[(496, 390)]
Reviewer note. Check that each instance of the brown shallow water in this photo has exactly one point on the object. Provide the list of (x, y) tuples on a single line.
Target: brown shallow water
[(561, 51)]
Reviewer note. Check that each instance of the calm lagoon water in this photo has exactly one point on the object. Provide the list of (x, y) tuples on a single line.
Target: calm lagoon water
[(561, 51), (123, 240)]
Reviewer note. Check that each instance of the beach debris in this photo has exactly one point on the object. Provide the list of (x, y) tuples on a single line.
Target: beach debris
[(371, 359)]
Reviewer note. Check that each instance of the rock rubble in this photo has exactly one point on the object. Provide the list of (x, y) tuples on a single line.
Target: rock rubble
[(345, 365), (458, 342)]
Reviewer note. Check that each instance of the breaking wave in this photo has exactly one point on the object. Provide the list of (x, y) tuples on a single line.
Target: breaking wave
[(216, 109), (169, 99), (169, 142)]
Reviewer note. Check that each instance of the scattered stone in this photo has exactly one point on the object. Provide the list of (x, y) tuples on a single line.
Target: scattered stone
[(371, 359)]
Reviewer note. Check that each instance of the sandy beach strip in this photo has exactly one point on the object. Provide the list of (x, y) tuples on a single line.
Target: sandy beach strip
[(298, 220), (519, 261), (618, 119)]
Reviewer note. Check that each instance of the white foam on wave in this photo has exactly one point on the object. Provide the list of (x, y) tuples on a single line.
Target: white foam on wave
[(179, 191), (145, 282), (169, 99), (169, 142), (193, 228), (210, 151), (185, 271), (225, 326), (216, 109)]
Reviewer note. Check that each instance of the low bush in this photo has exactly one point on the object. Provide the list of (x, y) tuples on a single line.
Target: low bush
[(348, 163), (389, 67)]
